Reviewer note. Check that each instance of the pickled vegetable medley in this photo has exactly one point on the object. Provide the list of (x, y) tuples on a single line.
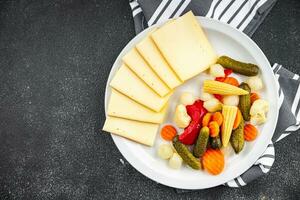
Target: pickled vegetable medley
[(226, 115)]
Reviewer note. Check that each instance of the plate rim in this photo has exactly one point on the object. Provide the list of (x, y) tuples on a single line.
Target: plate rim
[(121, 142)]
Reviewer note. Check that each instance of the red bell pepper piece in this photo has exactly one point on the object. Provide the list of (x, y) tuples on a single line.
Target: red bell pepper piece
[(190, 134), (201, 109), (199, 105), (196, 111), (220, 79), (227, 72), (218, 96), (192, 111)]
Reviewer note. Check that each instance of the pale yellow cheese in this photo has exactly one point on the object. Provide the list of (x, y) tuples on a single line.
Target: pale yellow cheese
[(141, 132), (139, 66), (156, 61), (121, 106), (126, 82), (185, 46)]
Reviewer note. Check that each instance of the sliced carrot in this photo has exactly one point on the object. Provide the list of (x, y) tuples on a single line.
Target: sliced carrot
[(238, 119), (206, 119), (168, 132), (228, 80), (214, 129), (250, 132), (213, 161), (218, 117), (231, 81), (253, 97)]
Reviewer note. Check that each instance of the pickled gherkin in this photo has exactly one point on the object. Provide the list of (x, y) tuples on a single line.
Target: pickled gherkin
[(245, 102), (201, 143), (186, 155), (246, 69), (215, 142), (237, 138)]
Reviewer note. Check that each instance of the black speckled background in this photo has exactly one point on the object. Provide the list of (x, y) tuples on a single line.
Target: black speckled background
[(55, 57)]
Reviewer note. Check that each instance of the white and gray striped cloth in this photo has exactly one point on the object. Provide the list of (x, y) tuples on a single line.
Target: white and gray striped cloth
[(245, 15)]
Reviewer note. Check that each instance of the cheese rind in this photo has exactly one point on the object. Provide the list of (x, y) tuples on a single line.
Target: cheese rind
[(126, 82), (139, 66), (185, 46), (141, 132), (156, 61), (121, 106)]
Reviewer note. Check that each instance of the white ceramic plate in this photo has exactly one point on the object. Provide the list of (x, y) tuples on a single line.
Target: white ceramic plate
[(228, 41)]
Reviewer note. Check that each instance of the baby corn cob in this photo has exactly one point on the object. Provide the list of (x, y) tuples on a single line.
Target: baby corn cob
[(216, 87), (229, 113)]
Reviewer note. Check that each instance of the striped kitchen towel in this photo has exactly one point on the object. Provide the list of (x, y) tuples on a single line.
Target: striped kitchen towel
[(245, 15)]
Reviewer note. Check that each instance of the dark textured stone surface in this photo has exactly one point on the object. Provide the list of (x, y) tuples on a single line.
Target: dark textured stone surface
[(55, 58)]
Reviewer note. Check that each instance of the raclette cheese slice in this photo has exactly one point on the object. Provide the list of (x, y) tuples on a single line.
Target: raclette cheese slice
[(156, 61), (121, 106), (130, 85), (140, 132), (185, 46), (139, 66)]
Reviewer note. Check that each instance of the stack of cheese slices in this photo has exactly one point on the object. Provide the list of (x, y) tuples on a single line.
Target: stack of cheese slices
[(163, 60)]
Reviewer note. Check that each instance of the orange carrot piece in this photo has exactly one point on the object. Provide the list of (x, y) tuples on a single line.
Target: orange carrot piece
[(250, 132), (228, 80), (231, 81), (218, 117), (237, 120), (253, 97), (213, 161), (206, 119), (168, 132), (214, 129)]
